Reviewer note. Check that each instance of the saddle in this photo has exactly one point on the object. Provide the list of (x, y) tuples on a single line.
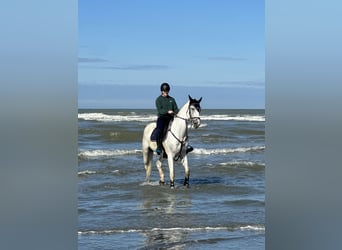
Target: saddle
[(154, 138)]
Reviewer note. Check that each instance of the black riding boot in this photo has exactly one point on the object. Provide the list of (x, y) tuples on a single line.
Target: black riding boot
[(189, 148)]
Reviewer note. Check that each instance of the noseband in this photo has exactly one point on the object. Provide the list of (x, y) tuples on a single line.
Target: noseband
[(194, 118), (191, 118)]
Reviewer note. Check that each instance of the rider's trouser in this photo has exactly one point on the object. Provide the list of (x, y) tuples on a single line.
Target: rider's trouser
[(162, 124)]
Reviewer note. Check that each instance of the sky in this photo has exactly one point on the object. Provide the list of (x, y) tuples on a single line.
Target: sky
[(204, 48)]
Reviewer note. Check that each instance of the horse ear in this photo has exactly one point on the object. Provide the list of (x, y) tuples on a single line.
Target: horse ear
[(190, 98), (200, 99)]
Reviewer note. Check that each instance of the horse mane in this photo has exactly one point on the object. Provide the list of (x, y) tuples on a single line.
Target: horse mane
[(184, 108), (191, 101)]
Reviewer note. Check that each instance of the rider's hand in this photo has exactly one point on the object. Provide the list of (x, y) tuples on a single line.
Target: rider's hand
[(170, 112)]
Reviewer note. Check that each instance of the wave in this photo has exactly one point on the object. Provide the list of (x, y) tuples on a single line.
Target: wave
[(243, 163), (101, 117), (250, 118), (98, 153), (202, 151), (90, 172), (86, 172), (178, 229)]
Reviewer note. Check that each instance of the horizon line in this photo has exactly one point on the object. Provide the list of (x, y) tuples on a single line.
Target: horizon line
[(155, 108)]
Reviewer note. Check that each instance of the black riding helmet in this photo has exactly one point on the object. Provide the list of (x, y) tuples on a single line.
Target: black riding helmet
[(165, 87)]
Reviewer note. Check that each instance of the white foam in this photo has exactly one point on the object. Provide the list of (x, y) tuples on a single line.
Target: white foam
[(116, 118), (150, 117), (183, 229), (238, 163), (254, 118), (86, 172), (98, 153), (253, 228), (203, 151), (150, 183)]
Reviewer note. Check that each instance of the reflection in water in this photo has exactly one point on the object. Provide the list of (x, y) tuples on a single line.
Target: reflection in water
[(168, 213), (165, 239)]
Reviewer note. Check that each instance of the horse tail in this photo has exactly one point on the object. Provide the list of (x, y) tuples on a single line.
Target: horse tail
[(147, 153), (148, 156)]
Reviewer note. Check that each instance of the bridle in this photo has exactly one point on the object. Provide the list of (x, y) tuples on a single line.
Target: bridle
[(190, 118), (194, 118)]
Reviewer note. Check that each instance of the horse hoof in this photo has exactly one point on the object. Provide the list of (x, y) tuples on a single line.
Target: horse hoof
[(172, 184), (161, 183), (186, 182)]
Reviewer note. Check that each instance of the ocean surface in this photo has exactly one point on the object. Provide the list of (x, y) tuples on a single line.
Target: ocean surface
[(224, 207)]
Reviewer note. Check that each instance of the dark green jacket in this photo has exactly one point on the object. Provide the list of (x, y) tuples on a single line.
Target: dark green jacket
[(165, 104)]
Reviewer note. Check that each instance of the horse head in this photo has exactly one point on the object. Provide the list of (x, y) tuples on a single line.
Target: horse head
[(194, 111)]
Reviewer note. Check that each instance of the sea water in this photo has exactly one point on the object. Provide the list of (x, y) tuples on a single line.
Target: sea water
[(224, 208)]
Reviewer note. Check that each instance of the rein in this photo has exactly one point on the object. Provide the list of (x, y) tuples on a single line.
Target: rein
[(182, 143), (191, 117), (186, 133)]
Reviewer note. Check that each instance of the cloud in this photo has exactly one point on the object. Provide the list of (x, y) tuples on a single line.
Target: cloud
[(239, 84), (121, 67), (91, 60), (226, 58), (137, 67)]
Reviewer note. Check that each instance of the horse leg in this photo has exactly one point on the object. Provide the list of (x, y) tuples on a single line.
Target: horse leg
[(187, 171), (161, 173), (148, 156), (171, 169)]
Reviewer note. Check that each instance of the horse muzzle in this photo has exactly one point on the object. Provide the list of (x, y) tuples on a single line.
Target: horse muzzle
[(196, 122)]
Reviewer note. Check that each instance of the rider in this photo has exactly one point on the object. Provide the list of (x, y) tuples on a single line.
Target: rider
[(166, 108)]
